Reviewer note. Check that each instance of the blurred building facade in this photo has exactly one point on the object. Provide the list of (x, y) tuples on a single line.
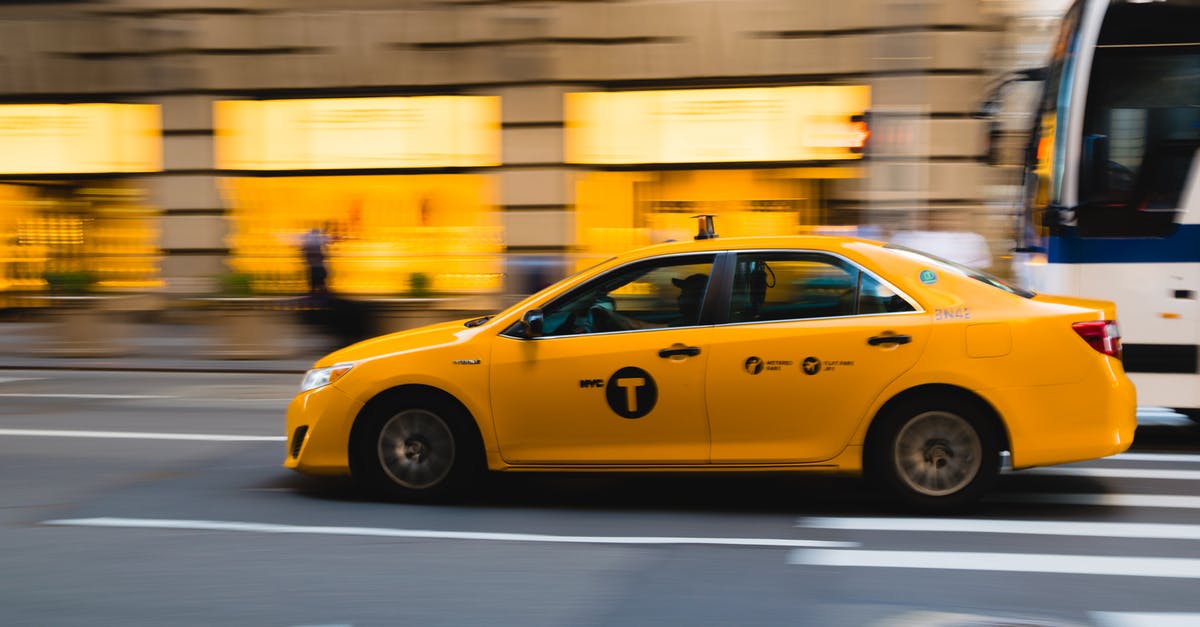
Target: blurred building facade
[(536, 171)]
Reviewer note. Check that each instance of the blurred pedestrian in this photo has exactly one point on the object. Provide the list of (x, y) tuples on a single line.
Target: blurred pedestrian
[(313, 247), (345, 320), (948, 237)]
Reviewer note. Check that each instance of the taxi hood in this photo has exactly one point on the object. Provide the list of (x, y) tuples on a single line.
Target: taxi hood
[(1108, 307), (412, 339)]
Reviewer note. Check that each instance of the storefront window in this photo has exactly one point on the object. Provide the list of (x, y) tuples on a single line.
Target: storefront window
[(77, 236), (386, 234), (389, 235)]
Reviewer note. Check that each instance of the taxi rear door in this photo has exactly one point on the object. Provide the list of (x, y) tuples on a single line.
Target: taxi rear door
[(810, 342)]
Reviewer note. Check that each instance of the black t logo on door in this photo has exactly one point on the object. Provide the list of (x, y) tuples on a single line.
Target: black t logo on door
[(631, 392)]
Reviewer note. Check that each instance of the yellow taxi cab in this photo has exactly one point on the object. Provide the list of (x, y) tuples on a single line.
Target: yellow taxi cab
[(799, 353)]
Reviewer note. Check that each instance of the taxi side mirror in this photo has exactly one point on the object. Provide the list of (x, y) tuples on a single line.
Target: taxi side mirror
[(531, 323)]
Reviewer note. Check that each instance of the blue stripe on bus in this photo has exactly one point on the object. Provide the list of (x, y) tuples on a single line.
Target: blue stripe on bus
[(1182, 246)]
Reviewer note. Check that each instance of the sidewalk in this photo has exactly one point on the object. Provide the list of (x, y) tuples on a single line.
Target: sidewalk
[(157, 346)]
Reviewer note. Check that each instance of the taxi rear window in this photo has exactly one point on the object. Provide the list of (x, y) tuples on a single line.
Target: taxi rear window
[(958, 268)]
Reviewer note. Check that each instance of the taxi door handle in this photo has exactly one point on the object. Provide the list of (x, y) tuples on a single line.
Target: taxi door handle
[(690, 351), (889, 339)]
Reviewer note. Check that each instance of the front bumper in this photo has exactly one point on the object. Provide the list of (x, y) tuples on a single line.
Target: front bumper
[(318, 430)]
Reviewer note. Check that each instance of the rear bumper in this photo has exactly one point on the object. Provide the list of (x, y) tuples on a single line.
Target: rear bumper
[(1058, 424)]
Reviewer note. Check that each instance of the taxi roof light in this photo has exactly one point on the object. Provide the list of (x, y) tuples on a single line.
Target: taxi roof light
[(706, 230)]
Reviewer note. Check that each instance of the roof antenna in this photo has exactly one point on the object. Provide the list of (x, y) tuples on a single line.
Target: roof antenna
[(706, 226)]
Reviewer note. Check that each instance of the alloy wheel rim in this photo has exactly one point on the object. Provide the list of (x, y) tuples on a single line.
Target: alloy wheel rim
[(416, 449), (938, 453)]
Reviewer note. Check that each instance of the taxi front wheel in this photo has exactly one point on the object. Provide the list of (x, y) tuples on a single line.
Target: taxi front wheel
[(415, 451), (935, 455)]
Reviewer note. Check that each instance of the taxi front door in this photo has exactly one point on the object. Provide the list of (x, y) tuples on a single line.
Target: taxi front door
[(611, 398)]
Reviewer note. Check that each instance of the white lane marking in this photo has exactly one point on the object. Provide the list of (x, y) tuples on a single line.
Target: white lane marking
[(120, 397), (1166, 567), (139, 397), (18, 379), (1156, 457), (1158, 531), (139, 435), (1103, 500), (928, 618), (215, 525), (1115, 473), (1145, 619)]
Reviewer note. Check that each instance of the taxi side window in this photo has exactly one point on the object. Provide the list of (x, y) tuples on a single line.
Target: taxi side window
[(796, 286), (875, 297), (659, 293)]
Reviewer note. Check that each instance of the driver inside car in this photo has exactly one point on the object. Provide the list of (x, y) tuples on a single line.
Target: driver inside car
[(691, 297)]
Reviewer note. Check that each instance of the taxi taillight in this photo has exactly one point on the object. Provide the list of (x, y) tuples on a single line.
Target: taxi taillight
[(1102, 335)]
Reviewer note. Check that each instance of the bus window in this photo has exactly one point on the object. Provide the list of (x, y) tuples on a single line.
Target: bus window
[(1141, 126)]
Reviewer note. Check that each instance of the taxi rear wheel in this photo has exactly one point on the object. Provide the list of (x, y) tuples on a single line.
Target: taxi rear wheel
[(935, 455), (421, 451)]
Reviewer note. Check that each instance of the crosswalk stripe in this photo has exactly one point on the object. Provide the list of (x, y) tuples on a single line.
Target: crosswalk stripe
[(1114, 473), (1145, 619), (1156, 531), (1156, 457), (1165, 567), (1102, 500)]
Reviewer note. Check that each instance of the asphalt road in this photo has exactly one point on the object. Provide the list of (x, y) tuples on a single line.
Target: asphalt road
[(159, 499)]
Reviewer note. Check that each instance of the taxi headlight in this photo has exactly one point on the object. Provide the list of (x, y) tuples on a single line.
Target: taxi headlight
[(320, 377)]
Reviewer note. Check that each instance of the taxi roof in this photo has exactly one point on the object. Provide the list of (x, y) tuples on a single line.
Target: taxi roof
[(810, 242)]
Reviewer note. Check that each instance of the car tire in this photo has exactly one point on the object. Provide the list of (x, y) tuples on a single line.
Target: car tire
[(935, 455), (417, 451)]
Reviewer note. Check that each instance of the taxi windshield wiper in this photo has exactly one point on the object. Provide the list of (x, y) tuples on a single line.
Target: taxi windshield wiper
[(477, 321)]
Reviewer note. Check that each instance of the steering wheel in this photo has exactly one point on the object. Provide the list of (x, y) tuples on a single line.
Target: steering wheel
[(592, 318)]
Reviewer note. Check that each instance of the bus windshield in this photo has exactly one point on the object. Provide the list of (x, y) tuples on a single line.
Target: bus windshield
[(1141, 124), (1140, 99)]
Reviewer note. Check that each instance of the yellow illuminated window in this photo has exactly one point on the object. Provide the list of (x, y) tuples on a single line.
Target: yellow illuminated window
[(358, 133), (393, 235), (717, 125), (53, 231), (80, 138)]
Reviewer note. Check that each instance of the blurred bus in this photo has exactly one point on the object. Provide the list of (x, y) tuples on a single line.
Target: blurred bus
[(1112, 185)]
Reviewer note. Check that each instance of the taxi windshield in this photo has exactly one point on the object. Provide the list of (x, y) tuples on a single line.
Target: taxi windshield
[(958, 268)]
